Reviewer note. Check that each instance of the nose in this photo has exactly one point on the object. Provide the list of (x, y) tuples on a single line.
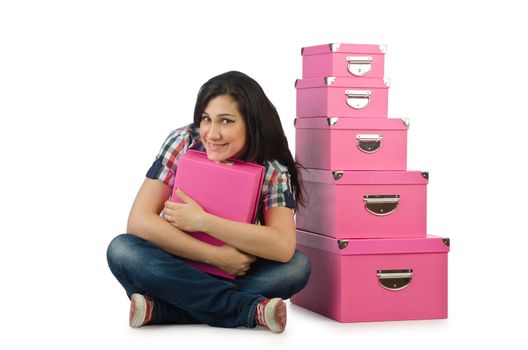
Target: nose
[(214, 132)]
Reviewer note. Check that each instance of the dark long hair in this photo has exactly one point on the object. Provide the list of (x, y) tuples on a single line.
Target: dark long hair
[(265, 138)]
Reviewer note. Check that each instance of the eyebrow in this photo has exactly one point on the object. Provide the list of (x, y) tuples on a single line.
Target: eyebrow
[(221, 115)]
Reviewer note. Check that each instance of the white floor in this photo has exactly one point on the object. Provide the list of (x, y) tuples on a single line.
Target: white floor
[(304, 329), (72, 299), (89, 315)]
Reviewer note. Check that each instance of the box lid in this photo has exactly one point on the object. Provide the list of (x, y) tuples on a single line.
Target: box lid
[(344, 48), (345, 82), (364, 177), (333, 123), (428, 244)]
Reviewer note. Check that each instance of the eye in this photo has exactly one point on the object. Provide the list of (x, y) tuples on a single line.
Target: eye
[(227, 121), (205, 118)]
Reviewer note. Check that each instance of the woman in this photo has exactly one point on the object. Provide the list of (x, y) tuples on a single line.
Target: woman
[(233, 118)]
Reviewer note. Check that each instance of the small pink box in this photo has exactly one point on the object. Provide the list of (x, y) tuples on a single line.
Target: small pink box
[(343, 97), (346, 60), (361, 280), (352, 143), (364, 204), (229, 189)]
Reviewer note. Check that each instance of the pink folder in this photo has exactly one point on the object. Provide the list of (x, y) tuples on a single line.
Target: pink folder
[(229, 189)]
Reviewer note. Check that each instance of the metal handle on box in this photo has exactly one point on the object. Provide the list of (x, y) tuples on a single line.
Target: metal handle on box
[(381, 205), (358, 99), (369, 143), (359, 65), (394, 279)]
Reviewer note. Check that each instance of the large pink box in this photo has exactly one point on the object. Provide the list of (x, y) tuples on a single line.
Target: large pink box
[(342, 97), (350, 60), (364, 204), (229, 189), (352, 143), (360, 280)]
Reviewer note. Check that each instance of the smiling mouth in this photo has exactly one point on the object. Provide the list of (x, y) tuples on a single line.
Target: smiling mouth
[(214, 146)]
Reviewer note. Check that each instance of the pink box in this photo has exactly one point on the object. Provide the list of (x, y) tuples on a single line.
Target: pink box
[(365, 204), (346, 60), (352, 143), (360, 280), (342, 97), (229, 189)]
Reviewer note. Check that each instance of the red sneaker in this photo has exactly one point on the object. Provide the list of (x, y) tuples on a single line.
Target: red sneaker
[(271, 314), (141, 309)]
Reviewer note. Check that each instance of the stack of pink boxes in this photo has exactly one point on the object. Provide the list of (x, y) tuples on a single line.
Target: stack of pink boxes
[(364, 229)]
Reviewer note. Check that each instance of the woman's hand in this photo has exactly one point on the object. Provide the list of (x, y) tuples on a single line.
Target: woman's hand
[(187, 216), (233, 261)]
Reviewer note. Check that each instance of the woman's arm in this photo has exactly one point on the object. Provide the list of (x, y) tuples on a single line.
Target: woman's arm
[(275, 241), (144, 221)]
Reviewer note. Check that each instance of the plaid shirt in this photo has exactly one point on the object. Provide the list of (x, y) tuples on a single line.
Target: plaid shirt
[(276, 187)]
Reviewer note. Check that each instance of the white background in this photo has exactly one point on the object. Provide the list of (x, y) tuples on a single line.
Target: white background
[(90, 89)]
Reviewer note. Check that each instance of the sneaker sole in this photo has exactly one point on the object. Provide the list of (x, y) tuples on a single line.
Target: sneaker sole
[(140, 310), (275, 315)]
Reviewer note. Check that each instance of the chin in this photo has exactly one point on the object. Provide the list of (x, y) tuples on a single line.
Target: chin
[(221, 156), (211, 155)]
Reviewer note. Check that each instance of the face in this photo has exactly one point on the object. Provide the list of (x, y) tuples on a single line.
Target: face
[(223, 129)]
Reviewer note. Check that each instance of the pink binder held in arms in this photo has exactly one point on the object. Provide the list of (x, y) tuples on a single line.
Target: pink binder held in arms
[(229, 189)]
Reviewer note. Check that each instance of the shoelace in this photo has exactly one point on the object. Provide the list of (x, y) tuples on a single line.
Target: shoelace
[(260, 313), (149, 311)]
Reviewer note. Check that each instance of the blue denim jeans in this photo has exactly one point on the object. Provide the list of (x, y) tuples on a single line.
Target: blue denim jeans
[(185, 295)]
